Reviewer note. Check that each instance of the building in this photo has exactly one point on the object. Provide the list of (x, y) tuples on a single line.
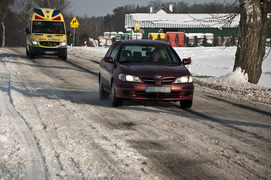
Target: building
[(164, 19)]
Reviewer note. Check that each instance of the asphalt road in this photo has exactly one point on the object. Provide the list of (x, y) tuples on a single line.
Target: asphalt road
[(53, 126)]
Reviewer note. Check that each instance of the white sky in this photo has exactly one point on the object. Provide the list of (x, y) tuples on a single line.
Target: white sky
[(103, 7)]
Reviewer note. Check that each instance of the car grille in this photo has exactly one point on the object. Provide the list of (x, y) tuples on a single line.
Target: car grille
[(163, 82), (167, 81), (143, 94), (49, 43), (148, 80)]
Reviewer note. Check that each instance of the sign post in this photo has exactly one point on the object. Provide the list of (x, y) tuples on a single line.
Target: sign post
[(74, 24)]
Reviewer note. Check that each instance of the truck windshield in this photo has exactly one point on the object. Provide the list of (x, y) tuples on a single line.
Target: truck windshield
[(48, 27)]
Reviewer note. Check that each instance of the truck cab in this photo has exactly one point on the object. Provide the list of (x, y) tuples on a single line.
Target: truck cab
[(46, 33)]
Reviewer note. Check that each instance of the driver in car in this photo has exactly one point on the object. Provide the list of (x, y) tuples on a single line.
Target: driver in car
[(156, 56)]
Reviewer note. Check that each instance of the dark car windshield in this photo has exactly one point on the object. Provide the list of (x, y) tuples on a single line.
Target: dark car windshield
[(152, 54), (48, 27)]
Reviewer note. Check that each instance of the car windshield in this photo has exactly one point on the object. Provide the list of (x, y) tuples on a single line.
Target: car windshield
[(48, 27), (152, 54)]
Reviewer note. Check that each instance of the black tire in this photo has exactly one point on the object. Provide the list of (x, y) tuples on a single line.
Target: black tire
[(64, 57), (27, 53), (31, 55), (186, 104), (115, 102), (103, 95)]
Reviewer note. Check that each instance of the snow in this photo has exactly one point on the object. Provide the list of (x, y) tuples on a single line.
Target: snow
[(218, 62), (237, 75)]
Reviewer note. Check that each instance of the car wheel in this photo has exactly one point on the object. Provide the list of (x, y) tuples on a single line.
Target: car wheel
[(114, 100), (27, 53), (31, 55), (103, 95), (186, 104), (63, 57)]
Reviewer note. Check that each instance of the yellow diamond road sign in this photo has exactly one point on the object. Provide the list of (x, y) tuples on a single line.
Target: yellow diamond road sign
[(74, 23)]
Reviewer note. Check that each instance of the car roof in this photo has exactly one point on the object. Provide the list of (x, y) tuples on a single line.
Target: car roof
[(144, 42)]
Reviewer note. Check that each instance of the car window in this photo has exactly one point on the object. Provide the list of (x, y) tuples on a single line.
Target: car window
[(114, 51), (139, 53), (110, 50)]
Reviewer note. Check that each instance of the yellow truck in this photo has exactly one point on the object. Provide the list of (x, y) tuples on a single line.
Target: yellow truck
[(46, 33)]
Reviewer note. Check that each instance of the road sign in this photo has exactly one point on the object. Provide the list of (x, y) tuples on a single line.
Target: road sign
[(74, 23)]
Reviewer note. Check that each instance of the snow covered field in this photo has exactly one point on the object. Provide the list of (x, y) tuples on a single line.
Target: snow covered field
[(218, 62)]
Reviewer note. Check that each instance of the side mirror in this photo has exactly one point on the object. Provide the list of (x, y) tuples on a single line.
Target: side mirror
[(27, 31), (108, 59), (187, 61)]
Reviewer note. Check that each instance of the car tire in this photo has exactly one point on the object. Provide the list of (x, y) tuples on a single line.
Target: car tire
[(64, 58), (103, 95), (114, 100), (27, 53), (31, 55), (186, 104)]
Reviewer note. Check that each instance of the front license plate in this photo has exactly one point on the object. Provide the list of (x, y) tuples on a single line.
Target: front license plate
[(155, 89), (49, 52)]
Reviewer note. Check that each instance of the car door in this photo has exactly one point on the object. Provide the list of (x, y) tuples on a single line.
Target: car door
[(108, 67)]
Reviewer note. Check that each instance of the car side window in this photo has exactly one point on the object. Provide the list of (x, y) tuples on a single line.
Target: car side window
[(110, 51), (115, 51)]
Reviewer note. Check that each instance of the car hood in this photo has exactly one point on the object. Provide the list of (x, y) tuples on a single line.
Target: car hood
[(150, 70)]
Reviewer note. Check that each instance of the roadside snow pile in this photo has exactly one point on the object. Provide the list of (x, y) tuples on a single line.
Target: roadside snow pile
[(217, 62), (236, 84), (237, 75), (212, 68), (95, 52)]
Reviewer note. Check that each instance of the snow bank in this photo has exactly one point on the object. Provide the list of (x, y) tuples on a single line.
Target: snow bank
[(237, 75), (218, 62), (95, 52), (212, 67)]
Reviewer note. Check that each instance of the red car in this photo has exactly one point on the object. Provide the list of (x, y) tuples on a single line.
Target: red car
[(144, 69)]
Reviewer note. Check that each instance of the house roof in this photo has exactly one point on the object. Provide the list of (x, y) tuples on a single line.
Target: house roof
[(162, 8), (147, 20)]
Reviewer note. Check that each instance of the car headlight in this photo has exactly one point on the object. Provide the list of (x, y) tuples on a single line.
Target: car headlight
[(184, 79), (34, 42), (64, 43), (129, 78)]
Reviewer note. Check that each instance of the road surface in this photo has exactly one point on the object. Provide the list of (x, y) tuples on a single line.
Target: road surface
[(53, 126)]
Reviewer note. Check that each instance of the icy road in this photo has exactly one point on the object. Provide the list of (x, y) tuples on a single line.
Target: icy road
[(53, 126)]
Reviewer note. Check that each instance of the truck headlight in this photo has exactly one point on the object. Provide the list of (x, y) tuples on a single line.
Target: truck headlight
[(129, 78), (34, 42), (64, 43), (184, 79)]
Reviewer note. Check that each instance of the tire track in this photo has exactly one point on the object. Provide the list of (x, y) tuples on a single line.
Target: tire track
[(36, 166), (36, 122), (160, 150), (102, 146)]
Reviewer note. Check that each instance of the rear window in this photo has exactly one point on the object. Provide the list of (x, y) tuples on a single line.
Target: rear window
[(151, 54), (48, 27)]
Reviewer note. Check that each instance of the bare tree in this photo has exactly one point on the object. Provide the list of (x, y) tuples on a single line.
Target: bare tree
[(21, 7), (253, 30), (155, 4), (4, 11)]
